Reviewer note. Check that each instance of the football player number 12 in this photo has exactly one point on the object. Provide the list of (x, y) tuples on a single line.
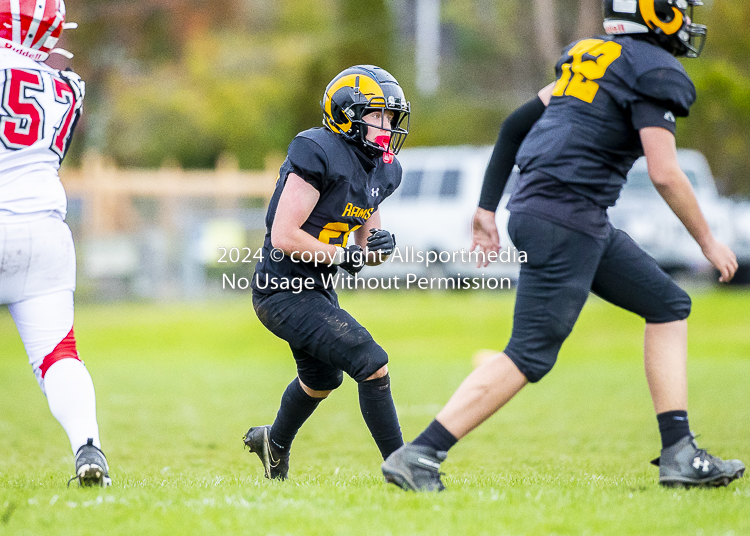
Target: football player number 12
[(578, 77), (24, 124)]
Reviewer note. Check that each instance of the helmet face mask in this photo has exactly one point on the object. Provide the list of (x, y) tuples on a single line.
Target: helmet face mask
[(358, 91), (694, 37), (668, 21), (31, 28), (397, 126)]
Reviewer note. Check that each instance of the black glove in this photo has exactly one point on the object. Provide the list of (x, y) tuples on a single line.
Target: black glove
[(353, 259), (381, 241)]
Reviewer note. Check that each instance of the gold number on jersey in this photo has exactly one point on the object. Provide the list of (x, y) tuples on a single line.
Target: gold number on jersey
[(578, 76), (336, 233)]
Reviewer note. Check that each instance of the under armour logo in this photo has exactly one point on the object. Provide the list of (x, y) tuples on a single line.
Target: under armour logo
[(669, 116), (697, 463), (375, 192)]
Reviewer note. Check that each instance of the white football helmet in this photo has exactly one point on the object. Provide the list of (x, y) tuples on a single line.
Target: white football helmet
[(32, 27)]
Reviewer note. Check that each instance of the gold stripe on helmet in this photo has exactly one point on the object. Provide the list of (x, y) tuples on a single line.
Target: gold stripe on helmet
[(368, 87), (648, 12)]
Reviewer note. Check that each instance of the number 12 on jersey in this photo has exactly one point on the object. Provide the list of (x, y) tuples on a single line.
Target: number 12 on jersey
[(578, 77)]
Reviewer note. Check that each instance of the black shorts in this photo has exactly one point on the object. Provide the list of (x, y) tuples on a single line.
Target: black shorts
[(563, 267), (325, 340)]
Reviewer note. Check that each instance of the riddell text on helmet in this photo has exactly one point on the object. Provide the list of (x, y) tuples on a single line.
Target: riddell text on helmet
[(36, 56)]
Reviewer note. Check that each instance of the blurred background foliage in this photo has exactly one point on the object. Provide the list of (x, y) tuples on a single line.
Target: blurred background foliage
[(186, 82)]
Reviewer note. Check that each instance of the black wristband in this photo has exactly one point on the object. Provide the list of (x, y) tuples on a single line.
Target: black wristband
[(512, 133)]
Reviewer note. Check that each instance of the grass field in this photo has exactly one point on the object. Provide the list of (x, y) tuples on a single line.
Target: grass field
[(179, 384)]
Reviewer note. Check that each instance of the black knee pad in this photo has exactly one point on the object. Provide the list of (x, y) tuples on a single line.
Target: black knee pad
[(322, 381), (534, 349), (681, 305), (675, 306), (364, 360)]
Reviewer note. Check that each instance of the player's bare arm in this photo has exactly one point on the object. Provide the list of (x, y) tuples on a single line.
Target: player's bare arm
[(377, 243), (545, 94), (361, 234), (674, 186), (297, 201)]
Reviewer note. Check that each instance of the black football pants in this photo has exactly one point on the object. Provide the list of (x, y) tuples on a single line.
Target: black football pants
[(563, 267), (325, 340)]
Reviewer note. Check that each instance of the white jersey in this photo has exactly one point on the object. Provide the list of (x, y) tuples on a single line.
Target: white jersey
[(37, 115)]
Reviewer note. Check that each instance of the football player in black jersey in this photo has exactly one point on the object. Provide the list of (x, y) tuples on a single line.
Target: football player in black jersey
[(329, 188), (615, 99)]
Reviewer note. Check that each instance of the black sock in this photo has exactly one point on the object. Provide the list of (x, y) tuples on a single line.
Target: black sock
[(436, 436), (296, 407), (673, 426), (377, 407)]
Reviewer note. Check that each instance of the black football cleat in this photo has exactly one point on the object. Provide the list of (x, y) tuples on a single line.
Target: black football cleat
[(415, 468), (685, 465), (91, 467), (257, 440)]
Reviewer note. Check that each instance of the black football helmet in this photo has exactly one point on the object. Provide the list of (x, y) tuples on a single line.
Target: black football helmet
[(667, 20), (358, 91)]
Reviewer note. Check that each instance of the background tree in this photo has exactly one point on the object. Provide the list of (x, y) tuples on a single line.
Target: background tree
[(719, 122), (185, 81), (546, 30)]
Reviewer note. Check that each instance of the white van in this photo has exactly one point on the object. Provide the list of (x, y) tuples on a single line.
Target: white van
[(431, 213)]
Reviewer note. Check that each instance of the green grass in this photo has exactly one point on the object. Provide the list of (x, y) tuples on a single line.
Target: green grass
[(179, 384)]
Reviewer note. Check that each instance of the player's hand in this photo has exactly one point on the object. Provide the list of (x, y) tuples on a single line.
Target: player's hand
[(722, 258), (352, 259), (381, 241), (484, 235)]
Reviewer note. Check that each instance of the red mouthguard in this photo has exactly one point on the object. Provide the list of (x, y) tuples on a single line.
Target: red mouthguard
[(383, 141)]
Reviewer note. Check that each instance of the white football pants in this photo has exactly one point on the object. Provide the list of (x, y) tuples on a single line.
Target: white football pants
[(37, 279)]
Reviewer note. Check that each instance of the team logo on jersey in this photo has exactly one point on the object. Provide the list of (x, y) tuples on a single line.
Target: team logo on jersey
[(669, 116), (357, 212)]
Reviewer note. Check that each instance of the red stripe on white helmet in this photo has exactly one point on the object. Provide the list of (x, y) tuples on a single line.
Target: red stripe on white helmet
[(31, 27)]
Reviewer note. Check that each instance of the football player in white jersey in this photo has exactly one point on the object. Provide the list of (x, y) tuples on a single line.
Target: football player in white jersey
[(38, 111)]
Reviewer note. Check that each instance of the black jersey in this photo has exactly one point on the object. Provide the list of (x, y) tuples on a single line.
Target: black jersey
[(575, 159), (351, 186)]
